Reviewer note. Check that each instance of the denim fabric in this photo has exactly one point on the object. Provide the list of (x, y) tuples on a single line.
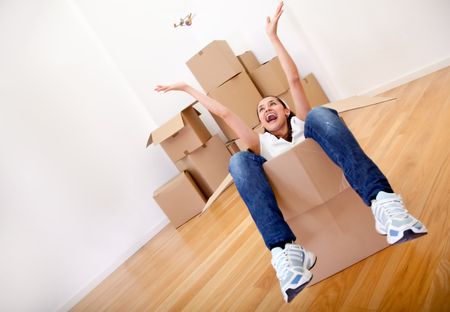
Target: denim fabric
[(325, 127), (254, 188)]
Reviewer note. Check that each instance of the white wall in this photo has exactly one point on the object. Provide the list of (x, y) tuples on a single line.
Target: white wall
[(143, 43), (76, 180), (76, 107), (367, 47)]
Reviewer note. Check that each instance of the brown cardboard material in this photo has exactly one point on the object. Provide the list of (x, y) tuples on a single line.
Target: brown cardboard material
[(313, 91), (355, 102), (232, 147), (314, 98), (258, 128), (241, 96), (180, 135), (227, 182), (241, 145), (208, 165), (326, 214), (214, 64), (249, 61), (270, 78), (287, 98), (180, 199)]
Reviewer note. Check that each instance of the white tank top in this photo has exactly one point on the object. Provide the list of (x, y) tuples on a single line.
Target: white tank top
[(270, 146)]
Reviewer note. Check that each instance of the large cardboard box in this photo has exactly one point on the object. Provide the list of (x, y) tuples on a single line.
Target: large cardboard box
[(182, 134), (180, 199), (357, 101), (287, 98), (270, 78), (214, 64), (326, 214), (232, 147), (313, 91), (208, 165), (241, 96), (249, 61)]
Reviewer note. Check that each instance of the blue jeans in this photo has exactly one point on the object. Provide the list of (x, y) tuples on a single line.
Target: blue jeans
[(324, 126)]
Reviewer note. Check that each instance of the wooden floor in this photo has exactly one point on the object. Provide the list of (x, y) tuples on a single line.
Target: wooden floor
[(218, 262)]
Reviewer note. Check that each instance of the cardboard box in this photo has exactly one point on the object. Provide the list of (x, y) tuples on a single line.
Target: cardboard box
[(249, 61), (287, 98), (182, 134), (180, 199), (241, 96), (326, 214), (270, 78), (232, 147), (313, 91), (214, 64), (227, 182), (313, 98), (259, 129), (208, 165), (355, 102)]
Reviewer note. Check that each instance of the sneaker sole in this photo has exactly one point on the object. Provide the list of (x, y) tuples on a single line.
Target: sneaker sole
[(409, 233), (292, 293)]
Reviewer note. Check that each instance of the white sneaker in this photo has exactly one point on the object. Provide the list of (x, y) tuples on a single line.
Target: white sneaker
[(292, 265), (393, 220)]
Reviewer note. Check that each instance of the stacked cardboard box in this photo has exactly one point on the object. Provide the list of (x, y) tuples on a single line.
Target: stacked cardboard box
[(202, 160), (235, 81), (233, 148), (249, 61), (239, 82), (224, 78), (180, 199), (270, 79), (208, 164), (181, 135)]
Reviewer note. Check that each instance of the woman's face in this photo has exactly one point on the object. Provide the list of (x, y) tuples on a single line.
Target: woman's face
[(272, 114)]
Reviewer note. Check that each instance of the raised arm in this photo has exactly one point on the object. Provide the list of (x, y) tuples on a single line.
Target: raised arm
[(245, 133), (301, 103)]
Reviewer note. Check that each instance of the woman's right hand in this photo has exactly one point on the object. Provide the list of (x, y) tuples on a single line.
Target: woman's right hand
[(179, 86), (272, 24)]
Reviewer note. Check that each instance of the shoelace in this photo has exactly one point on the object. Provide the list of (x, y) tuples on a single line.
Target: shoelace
[(282, 263), (391, 208)]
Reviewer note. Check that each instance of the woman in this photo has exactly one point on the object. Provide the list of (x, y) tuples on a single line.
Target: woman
[(283, 130)]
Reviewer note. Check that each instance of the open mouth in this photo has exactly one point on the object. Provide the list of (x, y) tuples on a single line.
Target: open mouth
[(271, 117)]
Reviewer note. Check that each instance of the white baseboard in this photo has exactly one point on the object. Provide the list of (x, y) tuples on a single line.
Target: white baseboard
[(413, 75), (118, 262)]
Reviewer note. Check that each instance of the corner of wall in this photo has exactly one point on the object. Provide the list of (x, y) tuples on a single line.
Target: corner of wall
[(139, 243), (410, 76)]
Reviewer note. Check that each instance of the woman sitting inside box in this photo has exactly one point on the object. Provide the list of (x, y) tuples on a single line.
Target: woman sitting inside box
[(283, 130)]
